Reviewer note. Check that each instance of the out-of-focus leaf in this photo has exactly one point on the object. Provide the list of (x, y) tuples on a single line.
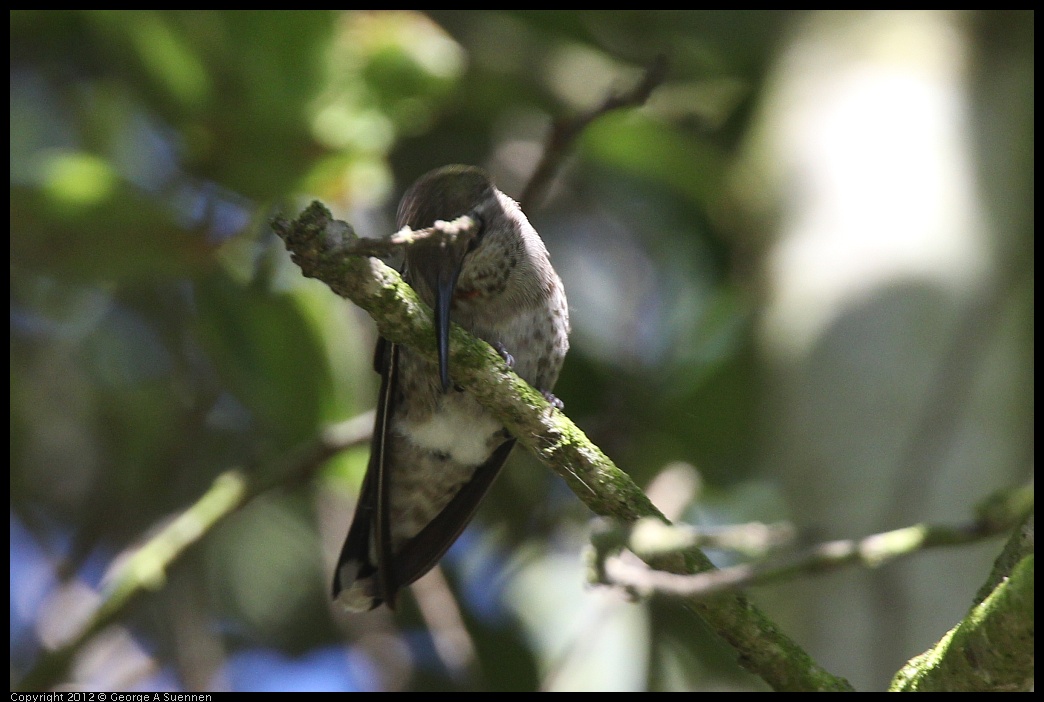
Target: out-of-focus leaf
[(236, 86), (269, 553), (638, 145), (267, 352), (89, 230)]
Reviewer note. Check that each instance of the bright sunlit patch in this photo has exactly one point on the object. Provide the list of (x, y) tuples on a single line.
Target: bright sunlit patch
[(874, 147), (77, 178), (581, 77)]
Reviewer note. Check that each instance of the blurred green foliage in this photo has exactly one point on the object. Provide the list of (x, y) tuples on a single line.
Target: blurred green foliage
[(160, 334)]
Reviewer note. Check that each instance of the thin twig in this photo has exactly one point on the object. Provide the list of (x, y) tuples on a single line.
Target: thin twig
[(441, 232), (565, 131), (871, 551), (444, 621)]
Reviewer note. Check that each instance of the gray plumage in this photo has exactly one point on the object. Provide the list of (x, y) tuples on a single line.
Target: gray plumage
[(435, 450)]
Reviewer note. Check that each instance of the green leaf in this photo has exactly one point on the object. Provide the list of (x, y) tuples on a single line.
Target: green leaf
[(268, 354)]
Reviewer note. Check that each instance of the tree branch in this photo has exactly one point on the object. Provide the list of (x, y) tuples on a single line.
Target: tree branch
[(646, 538), (441, 232), (321, 246), (565, 131), (990, 650)]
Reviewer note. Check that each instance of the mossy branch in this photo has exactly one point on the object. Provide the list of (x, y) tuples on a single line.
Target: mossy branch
[(326, 249), (992, 648)]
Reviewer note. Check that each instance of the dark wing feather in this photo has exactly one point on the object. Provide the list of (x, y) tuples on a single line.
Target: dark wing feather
[(423, 551), (368, 510), (418, 555), (387, 583)]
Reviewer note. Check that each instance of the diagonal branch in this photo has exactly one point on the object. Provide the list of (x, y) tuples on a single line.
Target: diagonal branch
[(322, 248), (991, 649)]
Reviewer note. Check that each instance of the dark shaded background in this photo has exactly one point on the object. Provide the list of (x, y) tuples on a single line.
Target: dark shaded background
[(801, 278)]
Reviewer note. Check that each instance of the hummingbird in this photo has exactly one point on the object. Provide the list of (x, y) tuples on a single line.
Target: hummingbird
[(435, 450)]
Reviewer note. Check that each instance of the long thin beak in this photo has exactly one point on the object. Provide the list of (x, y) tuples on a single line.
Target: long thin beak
[(445, 285)]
